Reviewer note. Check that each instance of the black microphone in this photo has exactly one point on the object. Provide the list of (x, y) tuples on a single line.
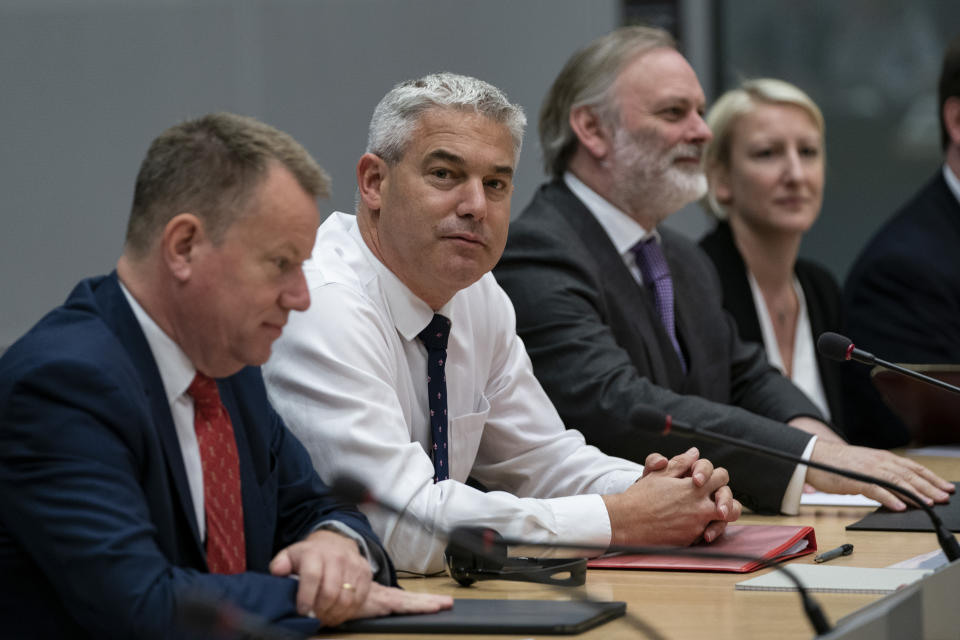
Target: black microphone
[(834, 346), (486, 545), (647, 416)]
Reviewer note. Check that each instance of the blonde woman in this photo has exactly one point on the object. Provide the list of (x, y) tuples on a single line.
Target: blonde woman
[(765, 167)]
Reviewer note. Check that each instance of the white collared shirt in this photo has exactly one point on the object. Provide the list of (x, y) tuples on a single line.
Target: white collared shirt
[(804, 370), (349, 378), (625, 232), (953, 182), (176, 373)]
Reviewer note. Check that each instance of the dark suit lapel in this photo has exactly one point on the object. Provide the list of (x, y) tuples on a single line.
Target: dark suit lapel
[(119, 316), (737, 297), (620, 288), (947, 205)]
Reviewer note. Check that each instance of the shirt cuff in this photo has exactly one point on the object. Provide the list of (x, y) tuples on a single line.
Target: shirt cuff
[(579, 519), (375, 558), (790, 505)]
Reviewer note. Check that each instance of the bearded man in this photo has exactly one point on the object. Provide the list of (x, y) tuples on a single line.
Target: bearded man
[(618, 313)]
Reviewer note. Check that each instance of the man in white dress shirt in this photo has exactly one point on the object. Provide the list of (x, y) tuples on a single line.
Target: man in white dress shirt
[(352, 375)]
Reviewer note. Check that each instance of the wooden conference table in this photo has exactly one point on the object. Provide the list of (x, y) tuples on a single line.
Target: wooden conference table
[(698, 606)]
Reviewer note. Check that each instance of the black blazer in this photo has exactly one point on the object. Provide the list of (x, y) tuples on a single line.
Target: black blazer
[(820, 290), (902, 302), (600, 351)]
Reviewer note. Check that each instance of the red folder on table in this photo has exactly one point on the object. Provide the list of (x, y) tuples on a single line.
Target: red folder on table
[(771, 542)]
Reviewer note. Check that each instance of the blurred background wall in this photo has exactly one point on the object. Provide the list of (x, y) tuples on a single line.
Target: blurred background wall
[(86, 84)]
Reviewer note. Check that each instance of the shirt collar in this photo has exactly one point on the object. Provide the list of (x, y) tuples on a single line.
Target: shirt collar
[(624, 231), (176, 370), (410, 314), (953, 182)]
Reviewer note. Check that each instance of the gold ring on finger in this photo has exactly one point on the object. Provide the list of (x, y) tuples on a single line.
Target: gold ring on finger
[(347, 586)]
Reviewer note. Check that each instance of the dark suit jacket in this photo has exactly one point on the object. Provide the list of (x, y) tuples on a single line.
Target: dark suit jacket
[(820, 290), (601, 353), (98, 536), (902, 302)]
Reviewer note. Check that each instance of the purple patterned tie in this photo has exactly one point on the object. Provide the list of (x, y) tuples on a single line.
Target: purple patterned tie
[(656, 277), (434, 337)]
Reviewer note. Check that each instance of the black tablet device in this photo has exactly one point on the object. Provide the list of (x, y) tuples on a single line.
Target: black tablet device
[(551, 617)]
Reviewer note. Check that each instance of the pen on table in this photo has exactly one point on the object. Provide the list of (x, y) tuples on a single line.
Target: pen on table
[(842, 550)]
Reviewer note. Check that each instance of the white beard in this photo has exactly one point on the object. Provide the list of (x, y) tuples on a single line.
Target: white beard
[(647, 182)]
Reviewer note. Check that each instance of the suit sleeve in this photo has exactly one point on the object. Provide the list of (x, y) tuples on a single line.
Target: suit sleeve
[(598, 388), (76, 455), (905, 310)]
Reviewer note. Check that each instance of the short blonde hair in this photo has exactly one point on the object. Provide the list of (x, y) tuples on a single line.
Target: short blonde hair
[(738, 102)]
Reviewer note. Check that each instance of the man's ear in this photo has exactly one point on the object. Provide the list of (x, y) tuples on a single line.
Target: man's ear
[(371, 174), (594, 136), (951, 119), (181, 239)]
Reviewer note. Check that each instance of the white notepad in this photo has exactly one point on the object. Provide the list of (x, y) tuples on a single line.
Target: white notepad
[(835, 579), (818, 498)]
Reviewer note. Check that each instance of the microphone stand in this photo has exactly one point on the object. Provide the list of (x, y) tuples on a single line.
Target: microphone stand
[(949, 544)]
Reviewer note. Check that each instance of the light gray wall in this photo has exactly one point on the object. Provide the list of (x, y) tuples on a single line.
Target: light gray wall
[(86, 84)]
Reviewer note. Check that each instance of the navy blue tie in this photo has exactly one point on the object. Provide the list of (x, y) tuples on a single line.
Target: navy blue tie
[(434, 337)]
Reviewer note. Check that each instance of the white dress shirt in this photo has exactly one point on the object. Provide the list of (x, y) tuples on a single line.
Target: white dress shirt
[(176, 373), (804, 370), (349, 378), (953, 182), (625, 232)]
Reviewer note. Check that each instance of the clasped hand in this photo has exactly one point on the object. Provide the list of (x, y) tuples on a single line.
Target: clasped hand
[(676, 502)]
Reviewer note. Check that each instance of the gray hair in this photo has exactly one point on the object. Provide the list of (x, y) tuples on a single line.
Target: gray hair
[(211, 167), (398, 113), (736, 103), (587, 80)]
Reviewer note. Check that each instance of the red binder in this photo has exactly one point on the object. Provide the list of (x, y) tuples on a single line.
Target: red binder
[(771, 542)]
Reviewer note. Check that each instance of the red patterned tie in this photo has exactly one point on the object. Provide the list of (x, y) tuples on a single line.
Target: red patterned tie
[(226, 549)]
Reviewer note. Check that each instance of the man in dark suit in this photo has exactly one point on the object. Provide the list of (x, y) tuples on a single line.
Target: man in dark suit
[(142, 468), (902, 297), (622, 134)]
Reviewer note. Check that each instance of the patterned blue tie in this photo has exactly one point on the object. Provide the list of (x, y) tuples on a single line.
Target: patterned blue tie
[(656, 277), (434, 337)]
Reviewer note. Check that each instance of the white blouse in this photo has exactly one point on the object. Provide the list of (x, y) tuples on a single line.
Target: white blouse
[(805, 372)]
